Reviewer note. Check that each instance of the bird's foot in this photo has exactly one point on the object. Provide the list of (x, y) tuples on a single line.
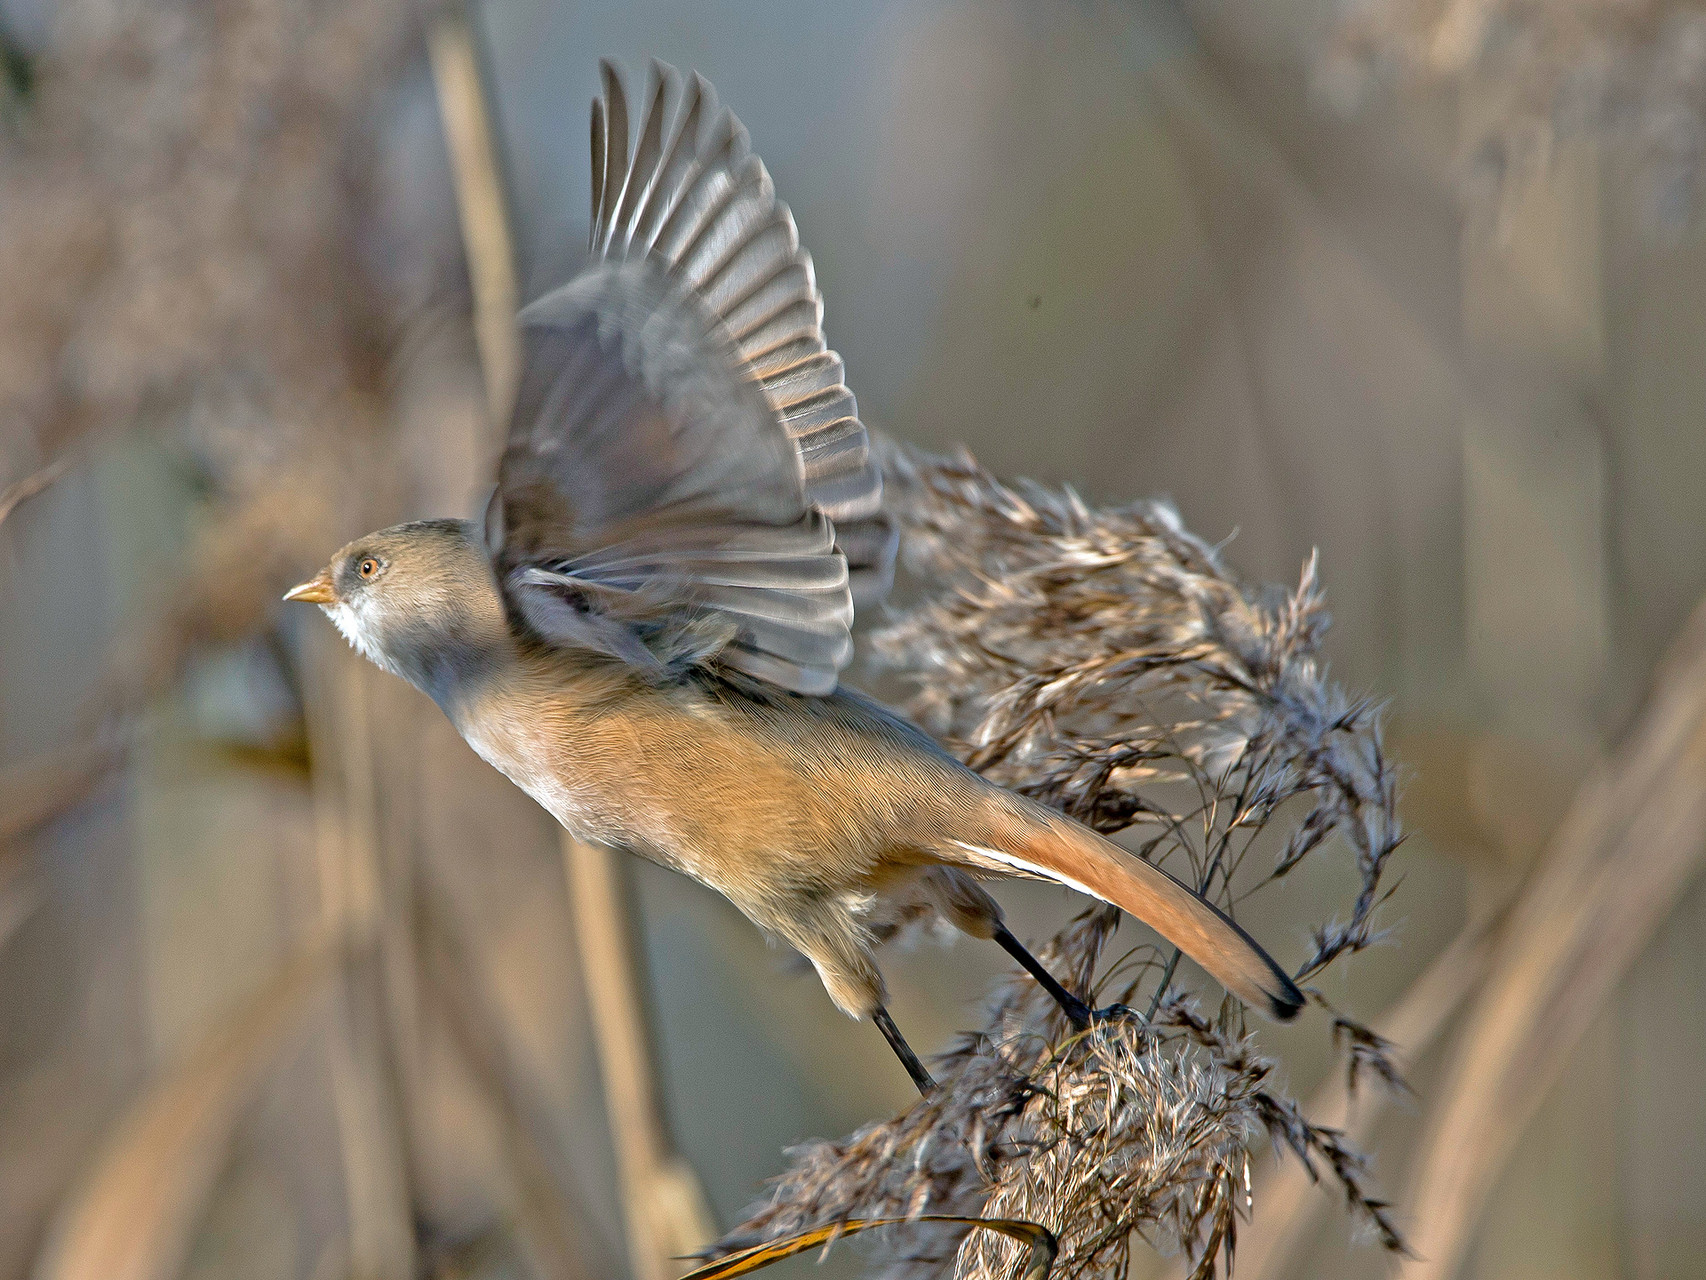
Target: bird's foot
[(1083, 1017)]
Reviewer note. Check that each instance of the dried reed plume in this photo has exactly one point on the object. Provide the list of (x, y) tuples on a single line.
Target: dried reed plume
[(194, 236), (1103, 660), (1635, 70), (1108, 662)]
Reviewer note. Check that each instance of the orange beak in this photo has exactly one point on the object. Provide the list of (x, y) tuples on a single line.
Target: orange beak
[(317, 590)]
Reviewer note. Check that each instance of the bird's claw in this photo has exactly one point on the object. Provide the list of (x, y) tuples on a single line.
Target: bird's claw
[(1083, 1017)]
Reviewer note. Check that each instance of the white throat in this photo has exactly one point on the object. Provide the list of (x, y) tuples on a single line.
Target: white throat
[(357, 630)]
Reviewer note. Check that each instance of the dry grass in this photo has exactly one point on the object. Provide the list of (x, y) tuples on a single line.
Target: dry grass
[(22, 490), (1101, 660), (134, 1213), (1632, 840), (1287, 1205), (1633, 70), (198, 248), (193, 235)]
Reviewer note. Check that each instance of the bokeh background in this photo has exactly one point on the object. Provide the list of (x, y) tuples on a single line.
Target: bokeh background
[(292, 986)]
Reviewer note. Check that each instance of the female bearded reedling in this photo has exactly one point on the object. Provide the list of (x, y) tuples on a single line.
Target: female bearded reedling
[(646, 634)]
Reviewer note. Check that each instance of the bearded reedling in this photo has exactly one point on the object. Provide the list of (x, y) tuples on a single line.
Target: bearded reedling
[(645, 633)]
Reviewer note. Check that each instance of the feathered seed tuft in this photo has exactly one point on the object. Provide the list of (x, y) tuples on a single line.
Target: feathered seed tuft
[(1109, 663)]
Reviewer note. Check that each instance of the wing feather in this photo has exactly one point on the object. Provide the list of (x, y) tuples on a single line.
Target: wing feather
[(686, 477), (669, 179), (600, 141), (637, 182)]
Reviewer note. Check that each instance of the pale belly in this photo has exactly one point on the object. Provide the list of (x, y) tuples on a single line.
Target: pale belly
[(586, 809), (579, 812)]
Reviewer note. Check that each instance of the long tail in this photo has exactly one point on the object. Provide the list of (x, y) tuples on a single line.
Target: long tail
[(1037, 842)]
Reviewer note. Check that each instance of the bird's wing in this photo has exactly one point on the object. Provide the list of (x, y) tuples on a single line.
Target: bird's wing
[(683, 450)]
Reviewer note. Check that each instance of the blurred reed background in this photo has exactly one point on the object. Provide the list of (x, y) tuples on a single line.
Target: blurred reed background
[(291, 985)]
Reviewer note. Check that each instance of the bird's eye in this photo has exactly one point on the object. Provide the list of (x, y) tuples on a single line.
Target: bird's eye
[(368, 567)]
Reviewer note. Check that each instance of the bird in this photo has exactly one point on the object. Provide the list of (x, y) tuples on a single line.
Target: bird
[(645, 630)]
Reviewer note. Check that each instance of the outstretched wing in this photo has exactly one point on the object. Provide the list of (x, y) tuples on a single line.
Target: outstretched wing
[(683, 449)]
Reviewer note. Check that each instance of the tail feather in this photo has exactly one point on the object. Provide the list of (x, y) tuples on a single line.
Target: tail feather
[(1050, 847)]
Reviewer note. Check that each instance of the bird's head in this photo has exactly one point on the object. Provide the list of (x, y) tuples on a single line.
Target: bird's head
[(418, 599)]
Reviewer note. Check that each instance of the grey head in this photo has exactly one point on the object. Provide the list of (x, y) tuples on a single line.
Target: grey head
[(418, 599)]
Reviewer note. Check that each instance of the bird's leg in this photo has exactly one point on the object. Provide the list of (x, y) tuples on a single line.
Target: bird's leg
[(902, 1050), (1078, 1013)]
